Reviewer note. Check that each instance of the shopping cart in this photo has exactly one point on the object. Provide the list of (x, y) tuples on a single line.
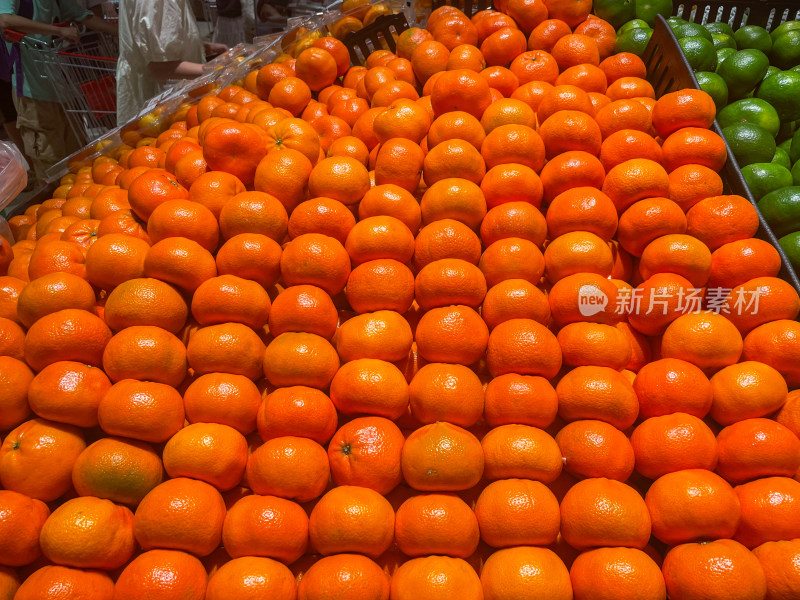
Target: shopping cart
[(81, 77)]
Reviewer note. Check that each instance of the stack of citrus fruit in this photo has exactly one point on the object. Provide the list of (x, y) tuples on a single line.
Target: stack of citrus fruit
[(471, 321), (754, 77)]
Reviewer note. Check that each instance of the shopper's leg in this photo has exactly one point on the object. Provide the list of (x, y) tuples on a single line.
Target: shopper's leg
[(45, 132)]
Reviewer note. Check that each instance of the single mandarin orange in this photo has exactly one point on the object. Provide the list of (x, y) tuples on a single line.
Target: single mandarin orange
[(145, 410), (594, 448), (89, 533), (582, 209), (383, 335), (707, 340), (769, 510), (746, 390), (145, 302), (442, 457), (118, 469), (370, 386), (525, 347), (297, 411), (779, 561), (514, 220), (69, 334), (607, 573), (446, 392), (512, 258), (434, 576), (315, 259), (436, 524), (162, 572), (188, 452), (265, 526), (628, 144), (300, 359), (21, 524), (288, 467), (223, 398), (648, 219), (145, 352), (50, 581), (366, 452), (516, 572), (571, 169), (252, 576), (517, 512), (303, 308), (675, 442), (520, 451), (721, 568), (755, 448), (454, 334), (186, 501), (600, 393), (37, 457), (351, 519), (677, 253), (603, 512), (347, 576), (523, 399)]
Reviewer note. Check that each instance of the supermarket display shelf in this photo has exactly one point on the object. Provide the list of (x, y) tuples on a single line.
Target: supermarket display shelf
[(669, 71)]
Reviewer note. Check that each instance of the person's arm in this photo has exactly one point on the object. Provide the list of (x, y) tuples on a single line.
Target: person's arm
[(99, 24), (175, 69), (265, 11), (213, 49), (24, 25)]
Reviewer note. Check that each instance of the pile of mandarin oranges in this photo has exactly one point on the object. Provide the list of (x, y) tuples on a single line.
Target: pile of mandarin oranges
[(472, 321)]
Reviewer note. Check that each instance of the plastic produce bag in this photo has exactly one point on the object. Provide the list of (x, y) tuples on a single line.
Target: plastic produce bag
[(13, 173)]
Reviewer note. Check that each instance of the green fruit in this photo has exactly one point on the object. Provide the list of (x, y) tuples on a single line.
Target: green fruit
[(648, 9), (791, 246), (750, 110), (714, 86), (691, 30), (763, 178), (786, 50), (699, 52), (722, 55), (796, 173), (634, 41), (616, 12), (750, 143), (673, 20), (753, 36), (786, 131), (723, 40), (781, 209), (633, 24), (719, 27), (771, 70), (784, 28), (782, 90), (781, 158), (743, 71), (794, 147)]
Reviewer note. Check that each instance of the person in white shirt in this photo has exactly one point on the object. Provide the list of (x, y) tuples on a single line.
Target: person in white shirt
[(158, 41)]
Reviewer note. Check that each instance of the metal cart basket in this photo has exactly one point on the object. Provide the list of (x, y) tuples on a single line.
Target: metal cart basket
[(81, 77)]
